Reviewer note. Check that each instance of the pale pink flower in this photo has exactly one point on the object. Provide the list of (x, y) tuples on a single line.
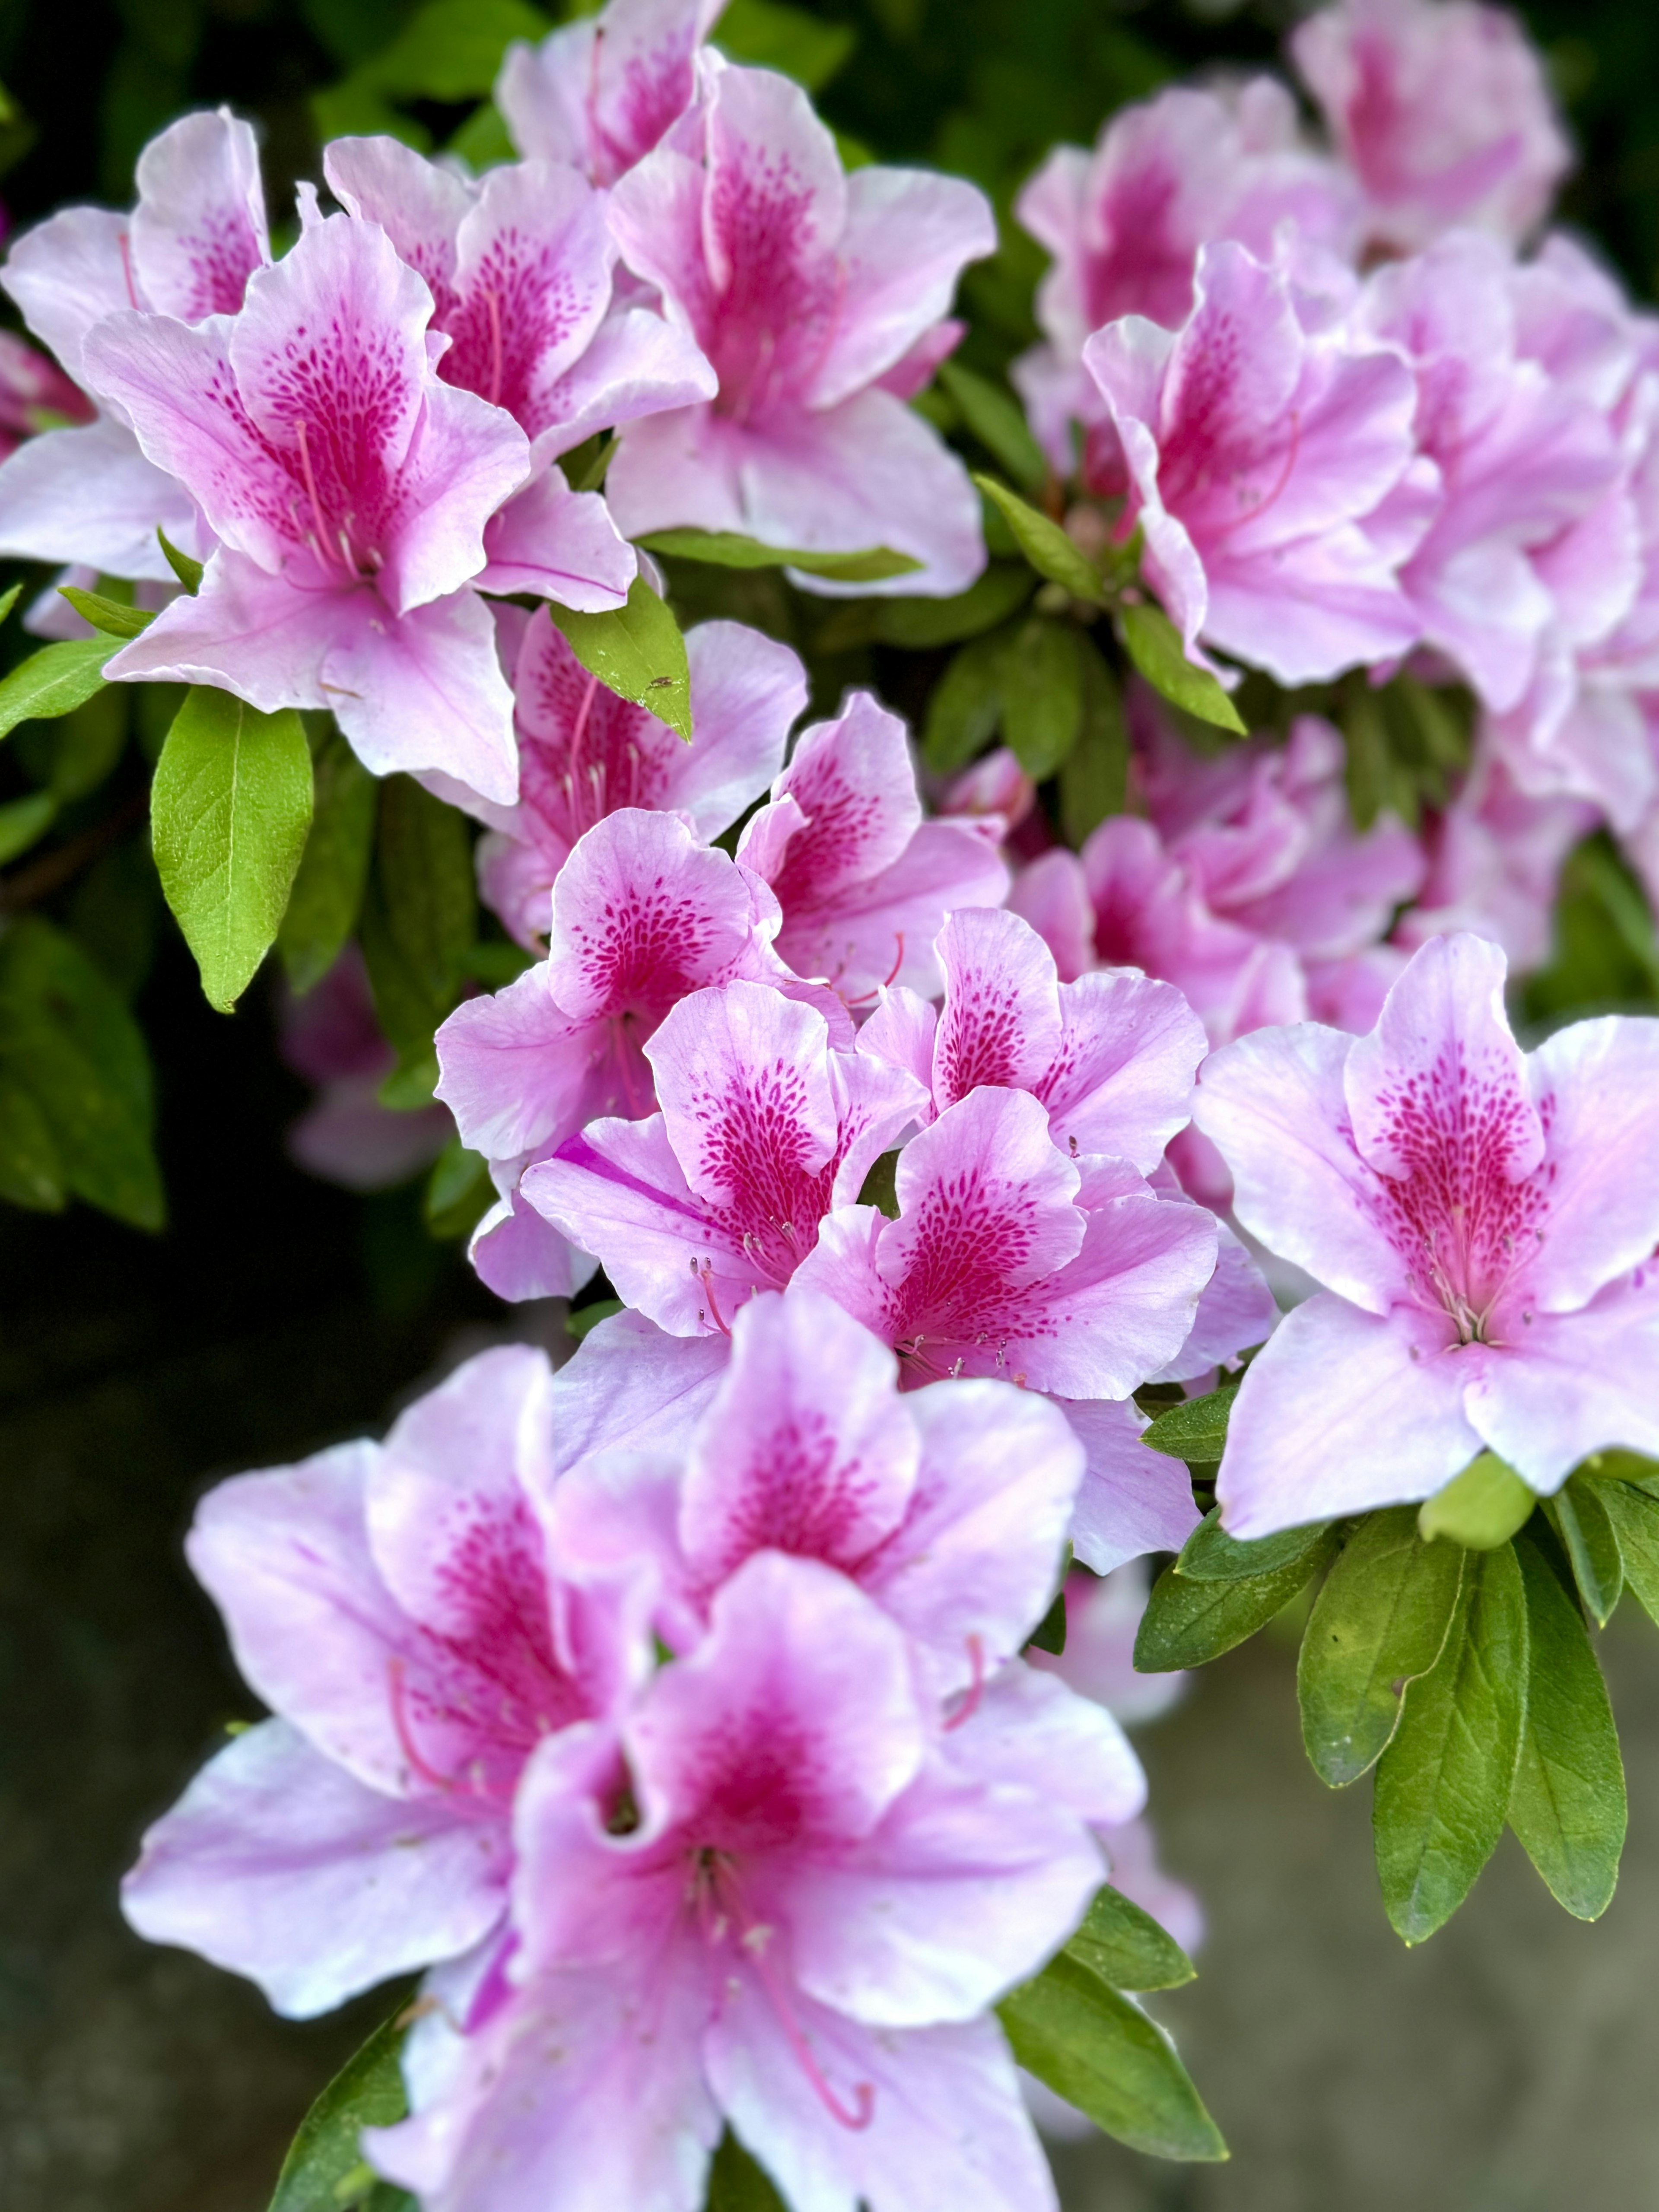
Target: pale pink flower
[(995, 785), (864, 883), (1483, 1222), (1442, 108), (804, 287), (35, 396), (1494, 865), (600, 93), (349, 488), (332, 1038), (394, 1605)]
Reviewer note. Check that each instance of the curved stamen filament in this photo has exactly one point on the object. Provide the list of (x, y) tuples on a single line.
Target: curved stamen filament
[(970, 1705)]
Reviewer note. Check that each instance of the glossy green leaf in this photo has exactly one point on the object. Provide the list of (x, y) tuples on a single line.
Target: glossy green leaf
[(24, 822), (31, 1172), (1094, 775), (1042, 679), (1567, 1804), (1126, 1948), (637, 651), (327, 895), (324, 2160), (766, 36), (966, 706), (1154, 643), (1098, 2049), (1196, 1429), (108, 615), (1380, 1621), (1045, 545), (185, 566), (737, 2183), (69, 1042), (52, 681), (1444, 1783), (728, 549), (1634, 1515), (1479, 1509), (1211, 1555), (1189, 1623), (458, 1192), (998, 420), (1580, 1519), (229, 808)]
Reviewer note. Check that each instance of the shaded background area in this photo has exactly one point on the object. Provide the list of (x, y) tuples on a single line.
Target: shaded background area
[(1503, 2068)]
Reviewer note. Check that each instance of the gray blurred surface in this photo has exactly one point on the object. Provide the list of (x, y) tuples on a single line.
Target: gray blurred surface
[(1506, 2067)]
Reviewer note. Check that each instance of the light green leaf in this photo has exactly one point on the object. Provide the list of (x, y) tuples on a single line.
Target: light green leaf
[(325, 2160), (1580, 1519), (31, 1173), (1444, 1783), (24, 822), (1094, 775), (1195, 1431), (52, 681), (1635, 1516), (108, 615), (637, 651), (737, 2183), (767, 35), (587, 1318), (966, 705), (483, 142), (451, 50), (1099, 2052), (1154, 643), (1189, 1623), (1211, 1555), (229, 808), (185, 566), (1041, 694), (1567, 1804), (1126, 1948), (9, 599), (458, 1192), (1046, 545), (327, 895), (1479, 1509), (1380, 1621), (998, 420), (728, 549)]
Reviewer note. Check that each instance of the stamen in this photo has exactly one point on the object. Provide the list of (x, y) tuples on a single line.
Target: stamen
[(406, 1741), (756, 1938), (493, 300), (705, 1272), (299, 428), (126, 271), (970, 1705)]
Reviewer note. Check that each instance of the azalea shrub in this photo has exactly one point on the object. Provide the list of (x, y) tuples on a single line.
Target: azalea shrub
[(1001, 816)]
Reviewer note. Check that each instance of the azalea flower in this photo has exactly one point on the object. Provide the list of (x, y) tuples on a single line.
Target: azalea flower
[(1483, 1223), (806, 289), (349, 488), (394, 1606), (600, 93), (330, 1037)]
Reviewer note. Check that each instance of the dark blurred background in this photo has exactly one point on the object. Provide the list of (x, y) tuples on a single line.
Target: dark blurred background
[(1503, 2068)]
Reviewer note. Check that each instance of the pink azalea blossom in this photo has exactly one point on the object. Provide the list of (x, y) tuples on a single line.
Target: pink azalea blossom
[(1272, 470), (349, 488), (332, 1038), (1495, 858), (1125, 222), (394, 1606), (602, 93), (1442, 108), (1483, 1222), (643, 913), (864, 883), (994, 785), (584, 752), (805, 287), (765, 1125), (89, 495), (781, 1900), (35, 396)]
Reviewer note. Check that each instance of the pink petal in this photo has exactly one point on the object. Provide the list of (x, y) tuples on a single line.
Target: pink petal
[(1122, 1080), (635, 365), (1031, 1728), (1001, 1023), (1595, 1084), (516, 1254), (423, 691), (88, 495), (1570, 1384), (907, 237), (515, 1069), (558, 545), (419, 204), (70, 272), (1131, 1500), (630, 1385), (198, 231)]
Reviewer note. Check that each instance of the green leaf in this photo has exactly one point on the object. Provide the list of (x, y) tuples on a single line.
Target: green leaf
[(1211, 1555), (1154, 643), (1126, 1948), (1041, 694), (1189, 1623), (766, 36), (188, 571), (1479, 1509), (24, 822), (880, 1188), (737, 2183), (89, 741), (1588, 1537), (1045, 545), (586, 1318), (998, 420), (483, 142), (327, 895), (1380, 1622), (637, 651), (1444, 1783), (324, 2158), (921, 625), (1567, 1804), (8, 600), (1635, 1517), (68, 1042), (424, 859), (106, 615), (451, 50), (458, 1192), (1049, 1634), (1195, 1431), (228, 809), (52, 681), (728, 549), (1099, 2052), (1094, 775), (966, 705), (31, 1173)]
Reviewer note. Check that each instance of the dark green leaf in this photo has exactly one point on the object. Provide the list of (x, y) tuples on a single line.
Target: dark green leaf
[(327, 895), (1126, 1948), (1195, 1431), (483, 142), (52, 681), (737, 2183), (228, 810), (24, 822), (998, 420), (1100, 2052), (1045, 545), (1581, 1521), (589, 1318), (1567, 1804), (1444, 1783), (1094, 775), (1049, 1634), (89, 740), (1154, 644), (1188, 1623), (1041, 694), (31, 1173), (637, 651), (188, 571), (767, 35), (729, 548), (8, 600), (458, 1192), (1211, 1555), (325, 2158), (1479, 1509), (1635, 1516), (1380, 1621), (424, 857), (966, 705), (921, 625), (586, 468), (879, 1188), (108, 615)]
